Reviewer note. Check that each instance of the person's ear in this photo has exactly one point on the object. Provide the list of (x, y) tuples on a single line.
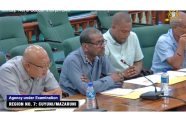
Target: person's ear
[(27, 66), (85, 47)]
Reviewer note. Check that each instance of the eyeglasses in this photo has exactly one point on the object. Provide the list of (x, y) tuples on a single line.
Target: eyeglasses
[(42, 67), (99, 43)]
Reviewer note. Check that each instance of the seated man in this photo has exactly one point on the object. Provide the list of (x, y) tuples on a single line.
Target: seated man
[(27, 74), (170, 48), (123, 48), (88, 63)]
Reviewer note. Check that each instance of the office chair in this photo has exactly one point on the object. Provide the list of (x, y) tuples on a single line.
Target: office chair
[(56, 28), (11, 33)]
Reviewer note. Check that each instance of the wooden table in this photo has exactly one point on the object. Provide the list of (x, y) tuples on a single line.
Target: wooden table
[(121, 104)]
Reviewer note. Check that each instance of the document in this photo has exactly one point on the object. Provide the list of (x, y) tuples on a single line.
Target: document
[(137, 92), (143, 81), (117, 92), (176, 76)]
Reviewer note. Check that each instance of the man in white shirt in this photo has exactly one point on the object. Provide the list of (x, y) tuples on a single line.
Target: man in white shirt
[(123, 46)]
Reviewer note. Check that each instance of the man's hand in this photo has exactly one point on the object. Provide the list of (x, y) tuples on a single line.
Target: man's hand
[(56, 91), (131, 71), (182, 40), (84, 78), (117, 77)]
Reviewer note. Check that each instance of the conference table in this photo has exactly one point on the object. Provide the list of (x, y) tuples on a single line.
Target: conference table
[(112, 103)]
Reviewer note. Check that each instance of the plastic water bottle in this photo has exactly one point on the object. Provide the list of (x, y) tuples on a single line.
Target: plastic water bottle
[(165, 83), (90, 96)]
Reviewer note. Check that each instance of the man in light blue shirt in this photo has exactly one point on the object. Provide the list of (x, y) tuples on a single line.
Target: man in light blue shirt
[(88, 63), (27, 74), (170, 48)]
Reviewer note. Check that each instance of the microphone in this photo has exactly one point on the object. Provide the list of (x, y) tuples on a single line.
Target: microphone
[(152, 95)]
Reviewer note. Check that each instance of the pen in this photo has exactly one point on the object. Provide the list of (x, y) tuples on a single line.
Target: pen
[(124, 62)]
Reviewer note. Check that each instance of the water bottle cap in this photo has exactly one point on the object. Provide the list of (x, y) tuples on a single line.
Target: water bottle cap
[(90, 84), (164, 70)]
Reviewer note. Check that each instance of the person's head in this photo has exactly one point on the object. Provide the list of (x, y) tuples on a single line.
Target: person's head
[(92, 42), (178, 25), (36, 61), (121, 27)]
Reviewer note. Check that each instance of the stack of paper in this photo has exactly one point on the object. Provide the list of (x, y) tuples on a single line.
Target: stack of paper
[(137, 92), (143, 81), (176, 77), (117, 92)]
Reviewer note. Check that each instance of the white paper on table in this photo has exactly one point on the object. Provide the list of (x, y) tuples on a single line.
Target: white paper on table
[(184, 70), (147, 89), (143, 81), (173, 74), (117, 92)]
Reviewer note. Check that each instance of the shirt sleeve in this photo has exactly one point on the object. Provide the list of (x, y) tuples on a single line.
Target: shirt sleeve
[(138, 54), (164, 50), (8, 83), (75, 77), (51, 82)]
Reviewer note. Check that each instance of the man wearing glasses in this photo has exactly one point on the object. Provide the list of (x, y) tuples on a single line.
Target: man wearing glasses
[(28, 74), (88, 63), (170, 49), (123, 48)]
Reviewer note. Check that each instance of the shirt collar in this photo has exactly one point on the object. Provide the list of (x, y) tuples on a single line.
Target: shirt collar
[(85, 58), (172, 37), (22, 70)]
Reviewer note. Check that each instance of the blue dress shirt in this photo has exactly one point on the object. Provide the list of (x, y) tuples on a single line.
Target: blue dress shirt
[(76, 64), (165, 48)]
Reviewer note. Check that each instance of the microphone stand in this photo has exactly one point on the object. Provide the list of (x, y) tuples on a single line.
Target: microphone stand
[(152, 95)]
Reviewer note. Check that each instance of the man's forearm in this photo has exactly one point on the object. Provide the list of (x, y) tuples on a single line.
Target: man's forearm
[(177, 59), (139, 65)]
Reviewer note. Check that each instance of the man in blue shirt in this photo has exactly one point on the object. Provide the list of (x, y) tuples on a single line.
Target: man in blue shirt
[(89, 63), (170, 48), (27, 75)]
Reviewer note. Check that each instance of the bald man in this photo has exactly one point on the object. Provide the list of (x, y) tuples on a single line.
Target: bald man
[(28, 74), (123, 44), (170, 48)]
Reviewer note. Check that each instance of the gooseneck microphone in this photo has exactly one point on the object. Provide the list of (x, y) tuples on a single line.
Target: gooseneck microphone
[(152, 95)]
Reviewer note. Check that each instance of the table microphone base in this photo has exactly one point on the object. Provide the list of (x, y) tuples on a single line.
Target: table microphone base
[(95, 110), (151, 95)]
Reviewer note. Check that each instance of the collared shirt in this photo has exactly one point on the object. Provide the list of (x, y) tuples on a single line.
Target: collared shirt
[(76, 65), (129, 51), (165, 48), (14, 80)]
